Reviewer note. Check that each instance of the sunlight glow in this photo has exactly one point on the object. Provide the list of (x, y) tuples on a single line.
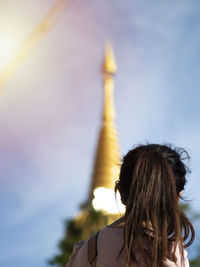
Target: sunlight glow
[(10, 40), (104, 199)]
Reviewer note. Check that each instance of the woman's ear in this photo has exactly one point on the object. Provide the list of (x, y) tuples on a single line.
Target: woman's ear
[(180, 194)]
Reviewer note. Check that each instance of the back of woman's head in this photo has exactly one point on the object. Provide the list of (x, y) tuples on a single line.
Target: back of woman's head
[(151, 179)]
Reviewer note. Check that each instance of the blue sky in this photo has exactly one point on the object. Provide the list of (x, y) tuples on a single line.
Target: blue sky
[(50, 110)]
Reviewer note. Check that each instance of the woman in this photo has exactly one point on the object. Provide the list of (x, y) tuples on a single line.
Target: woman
[(154, 228)]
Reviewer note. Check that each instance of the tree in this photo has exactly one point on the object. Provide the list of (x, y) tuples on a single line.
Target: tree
[(195, 218), (87, 223)]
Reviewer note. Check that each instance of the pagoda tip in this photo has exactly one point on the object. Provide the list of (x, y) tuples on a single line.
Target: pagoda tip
[(109, 64)]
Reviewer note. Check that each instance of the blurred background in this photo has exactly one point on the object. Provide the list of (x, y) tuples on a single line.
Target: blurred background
[(51, 106)]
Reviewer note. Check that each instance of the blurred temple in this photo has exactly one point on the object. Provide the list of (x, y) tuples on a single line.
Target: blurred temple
[(107, 161), (101, 207)]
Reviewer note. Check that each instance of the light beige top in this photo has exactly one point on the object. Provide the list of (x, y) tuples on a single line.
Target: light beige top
[(109, 244)]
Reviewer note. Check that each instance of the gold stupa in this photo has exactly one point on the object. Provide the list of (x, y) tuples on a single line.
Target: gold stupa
[(107, 160)]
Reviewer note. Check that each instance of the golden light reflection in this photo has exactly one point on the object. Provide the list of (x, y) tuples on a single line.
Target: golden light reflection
[(104, 200)]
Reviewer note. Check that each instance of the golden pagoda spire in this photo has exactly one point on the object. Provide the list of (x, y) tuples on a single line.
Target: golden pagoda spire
[(109, 69), (107, 161)]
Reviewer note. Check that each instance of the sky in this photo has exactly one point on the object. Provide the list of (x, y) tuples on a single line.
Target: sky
[(51, 107)]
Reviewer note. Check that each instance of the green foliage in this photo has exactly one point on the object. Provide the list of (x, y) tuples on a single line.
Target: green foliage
[(82, 227), (195, 262), (194, 217)]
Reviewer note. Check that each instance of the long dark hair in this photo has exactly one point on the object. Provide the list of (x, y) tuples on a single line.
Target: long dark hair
[(151, 179)]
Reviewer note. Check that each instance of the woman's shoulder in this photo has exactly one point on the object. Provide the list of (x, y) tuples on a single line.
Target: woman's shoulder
[(108, 237), (79, 255), (180, 262)]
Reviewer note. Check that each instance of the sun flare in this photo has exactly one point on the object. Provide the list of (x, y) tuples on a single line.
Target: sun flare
[(10, 41)]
